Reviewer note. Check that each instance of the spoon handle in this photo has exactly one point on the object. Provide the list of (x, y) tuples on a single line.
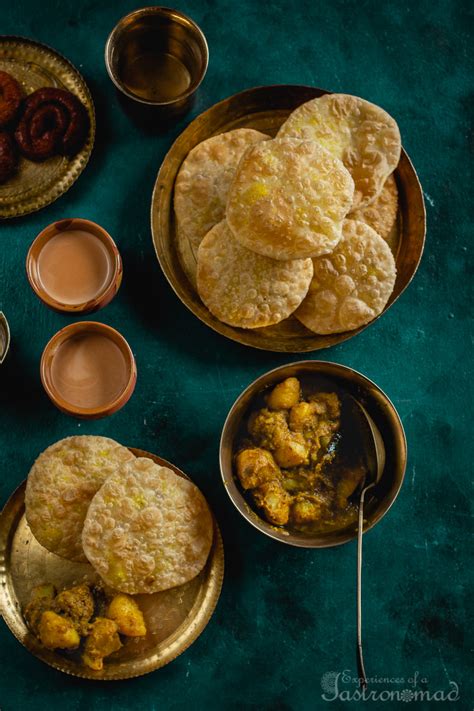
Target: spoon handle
[(360, 656)]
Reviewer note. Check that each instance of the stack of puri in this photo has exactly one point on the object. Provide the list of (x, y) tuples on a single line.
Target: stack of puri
[(141, 526), (295, 225)]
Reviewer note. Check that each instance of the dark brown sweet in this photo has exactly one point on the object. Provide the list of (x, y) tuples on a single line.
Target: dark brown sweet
[(53, 122), (8, 156), (10, 98)]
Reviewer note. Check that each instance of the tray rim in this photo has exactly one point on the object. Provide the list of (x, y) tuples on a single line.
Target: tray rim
[(10, 516), (39, 202), (230, 332)]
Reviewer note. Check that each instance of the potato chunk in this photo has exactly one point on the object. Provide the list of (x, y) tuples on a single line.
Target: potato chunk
[(306, 509), (302, 416), (255, 467), (124, 611), (284, 395), (102, 641), (274, 501), (291, 452), (57, 632), (326, 404)]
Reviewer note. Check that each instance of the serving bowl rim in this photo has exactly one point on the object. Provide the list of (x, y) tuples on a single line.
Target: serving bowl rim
[(282, 535)]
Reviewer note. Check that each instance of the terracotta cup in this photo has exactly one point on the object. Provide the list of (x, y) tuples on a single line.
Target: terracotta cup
[(50, 351), (109, 290)]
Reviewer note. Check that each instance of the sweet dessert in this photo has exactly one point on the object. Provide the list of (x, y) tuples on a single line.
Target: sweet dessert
[(11, 95), (8, 157), (53, 122)]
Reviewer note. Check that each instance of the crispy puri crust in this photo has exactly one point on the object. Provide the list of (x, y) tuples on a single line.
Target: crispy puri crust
[(201, 188), (364, 136), (351, 286), (61, 485), (382, 213), (243, 288), (147, 529), (288, 199)]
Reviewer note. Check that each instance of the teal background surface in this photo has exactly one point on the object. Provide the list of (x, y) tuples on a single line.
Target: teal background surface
[(286, 616)]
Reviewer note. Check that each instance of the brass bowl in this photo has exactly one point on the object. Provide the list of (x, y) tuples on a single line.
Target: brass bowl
[(379, 408), (157, 57), (182, 612), (265, 108), (4, 337)]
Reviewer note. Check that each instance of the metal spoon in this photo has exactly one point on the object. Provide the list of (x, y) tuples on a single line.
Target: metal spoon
[(375, 459)]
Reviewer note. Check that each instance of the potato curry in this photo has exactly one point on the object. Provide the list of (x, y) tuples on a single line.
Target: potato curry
[(82, 618), (292, 462)]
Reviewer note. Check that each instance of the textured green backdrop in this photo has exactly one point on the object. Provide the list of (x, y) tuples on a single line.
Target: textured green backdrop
[(286, 616)]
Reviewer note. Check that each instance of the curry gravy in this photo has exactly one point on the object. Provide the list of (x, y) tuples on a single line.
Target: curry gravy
[(299, 456)]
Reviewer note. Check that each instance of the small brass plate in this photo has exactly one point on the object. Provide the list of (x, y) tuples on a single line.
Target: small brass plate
[(175, 618), (265, 108), (36, 185)]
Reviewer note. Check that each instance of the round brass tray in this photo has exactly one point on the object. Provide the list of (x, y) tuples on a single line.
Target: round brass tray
[(35, 185), (175, 618), (265, 108)]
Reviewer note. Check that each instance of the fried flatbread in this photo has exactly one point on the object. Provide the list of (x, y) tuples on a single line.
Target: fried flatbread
[(381, 214), (364, 136), (243, 288), (288, 199), (201, 188), (351, 286), (61, 485), (147, 529)]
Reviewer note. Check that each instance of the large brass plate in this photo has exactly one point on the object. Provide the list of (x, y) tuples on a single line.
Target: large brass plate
[(265, 109), (175, 618), (35, 185)]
